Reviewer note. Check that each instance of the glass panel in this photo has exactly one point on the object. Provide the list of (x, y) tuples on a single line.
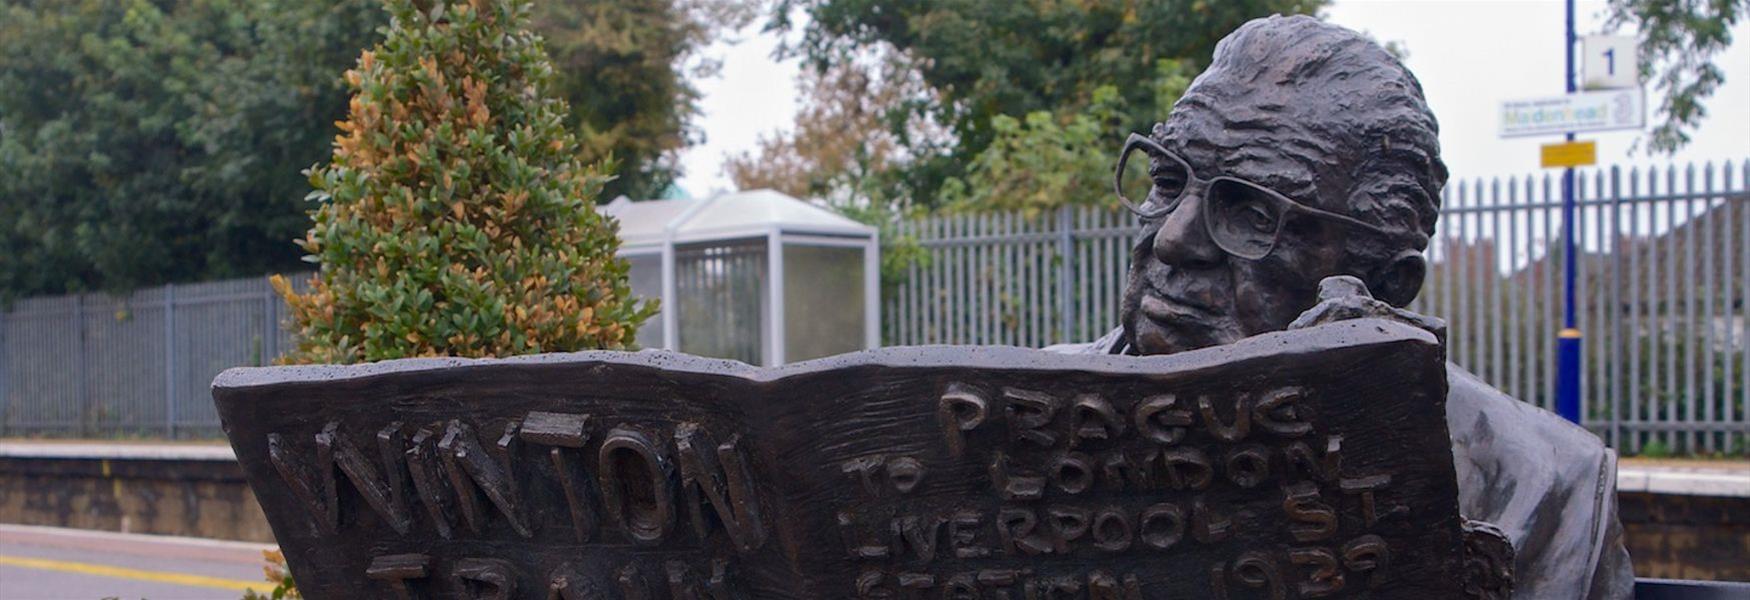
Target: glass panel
[(721, 289), (645, 277), (823, 301)]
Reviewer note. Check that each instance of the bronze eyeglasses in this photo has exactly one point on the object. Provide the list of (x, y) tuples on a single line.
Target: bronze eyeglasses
[(1243, 218)]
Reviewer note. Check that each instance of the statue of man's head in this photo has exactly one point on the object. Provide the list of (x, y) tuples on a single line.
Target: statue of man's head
[(1304, 151)]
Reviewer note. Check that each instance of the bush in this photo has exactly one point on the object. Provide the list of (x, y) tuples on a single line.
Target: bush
[(455, 217)]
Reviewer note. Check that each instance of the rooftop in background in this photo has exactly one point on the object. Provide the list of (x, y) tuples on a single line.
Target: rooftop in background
[(645, 225)]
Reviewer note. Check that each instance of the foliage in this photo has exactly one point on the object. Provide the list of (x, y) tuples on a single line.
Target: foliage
[(277, 574), (842, 146), (1678, 42), (146, 142), (455, 217), (623, 67), (980, 60), (1052, 160), (158, 141)]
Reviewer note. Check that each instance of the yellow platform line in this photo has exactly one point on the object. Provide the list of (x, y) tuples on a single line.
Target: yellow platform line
[(135, 574)]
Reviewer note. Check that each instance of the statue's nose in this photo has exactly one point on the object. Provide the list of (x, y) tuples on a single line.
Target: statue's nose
[(1183, 240)]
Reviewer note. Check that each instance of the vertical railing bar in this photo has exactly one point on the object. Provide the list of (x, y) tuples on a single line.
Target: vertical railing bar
[(1583, 314), (1064, 250), (1635, 306), (1510, 239), (1615, 308), (79, 368), (1688, 329), (170, 361), (1706, 221), (1669, 297), (1546, 338), (1459, 326), (1742, 202)]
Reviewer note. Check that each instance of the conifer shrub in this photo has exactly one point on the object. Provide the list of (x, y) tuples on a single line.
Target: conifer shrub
[(455, 218)]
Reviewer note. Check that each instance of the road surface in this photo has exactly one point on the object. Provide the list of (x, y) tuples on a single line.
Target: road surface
[(48, 563)]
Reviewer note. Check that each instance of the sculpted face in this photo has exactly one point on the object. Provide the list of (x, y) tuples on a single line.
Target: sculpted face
[(1304, 151), (1186, 292)]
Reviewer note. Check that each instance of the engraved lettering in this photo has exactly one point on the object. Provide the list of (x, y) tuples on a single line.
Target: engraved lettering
[(1112, 531), (1162, 525), (960, 410), (857, 548), (470, 468), (1092, 418), (1367, 554), (905, 473), (1162, 420), (963, 534), (484, 578), (917, 533), (1325, 579), (427, 471), (1326, 468), (1187, 468), (636, 490), (1015, 528), (1072, 472), (1248, 466), (1365, 487), (1255, 570), (1227, 432), (722, 481), (1278, 413), (1313, 519), (1208, 526), (396, 570), (1067, 523), (1029, 412), (1123, 468), (1016, 487)]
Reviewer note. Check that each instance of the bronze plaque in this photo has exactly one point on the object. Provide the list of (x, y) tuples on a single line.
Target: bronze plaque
[(1304, 464)]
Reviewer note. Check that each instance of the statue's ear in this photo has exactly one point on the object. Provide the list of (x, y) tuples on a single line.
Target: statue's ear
[(1400, 279)]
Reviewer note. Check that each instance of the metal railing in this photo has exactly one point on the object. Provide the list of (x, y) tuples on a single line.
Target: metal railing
[(90, 365), (1662, 290)]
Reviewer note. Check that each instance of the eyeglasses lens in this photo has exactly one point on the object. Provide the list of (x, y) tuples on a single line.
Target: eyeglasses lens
[(1243, 219), (1151, 181)]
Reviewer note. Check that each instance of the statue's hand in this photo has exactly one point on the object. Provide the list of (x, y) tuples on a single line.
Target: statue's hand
[(1343, 297)]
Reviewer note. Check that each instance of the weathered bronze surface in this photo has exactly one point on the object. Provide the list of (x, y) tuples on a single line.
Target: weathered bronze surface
[(1304, 464)]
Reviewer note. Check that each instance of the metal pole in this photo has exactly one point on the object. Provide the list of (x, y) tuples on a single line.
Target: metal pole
[(1568, 341), (1065, 243), (170, 361)]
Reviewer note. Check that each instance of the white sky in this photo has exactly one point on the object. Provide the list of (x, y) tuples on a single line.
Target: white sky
[(1469, 54)]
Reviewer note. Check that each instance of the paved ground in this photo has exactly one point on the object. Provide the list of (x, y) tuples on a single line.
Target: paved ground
[(46, 563)]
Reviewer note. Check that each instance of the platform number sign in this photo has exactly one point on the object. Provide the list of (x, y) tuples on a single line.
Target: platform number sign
[(1611, 62)]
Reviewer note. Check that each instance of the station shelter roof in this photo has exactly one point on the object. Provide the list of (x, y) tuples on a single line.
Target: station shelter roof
[(646, 226)]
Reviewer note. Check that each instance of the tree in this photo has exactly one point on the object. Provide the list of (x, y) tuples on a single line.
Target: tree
[(151, 142), (455, 216), (145, 142), (981, 60), (624, 67), (1678, 42)]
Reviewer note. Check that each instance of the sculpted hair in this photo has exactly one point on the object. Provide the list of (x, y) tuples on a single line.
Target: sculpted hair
[(1295, 91)]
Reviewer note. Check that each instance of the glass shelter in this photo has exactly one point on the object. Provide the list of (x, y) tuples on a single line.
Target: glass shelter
[(755, 276)]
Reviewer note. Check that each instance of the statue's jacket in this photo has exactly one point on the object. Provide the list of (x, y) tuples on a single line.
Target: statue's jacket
[(1548, 484)]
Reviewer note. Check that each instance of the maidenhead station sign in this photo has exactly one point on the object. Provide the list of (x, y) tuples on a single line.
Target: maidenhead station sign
[(1305, 464)]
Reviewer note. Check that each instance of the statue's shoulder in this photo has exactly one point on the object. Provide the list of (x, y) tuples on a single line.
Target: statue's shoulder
[(1548, 484)]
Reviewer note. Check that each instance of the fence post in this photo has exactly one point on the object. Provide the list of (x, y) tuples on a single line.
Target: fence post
[(5, 370), (170, 361), (1065, 244), (270, 339), (1615, 346), (79, 364)]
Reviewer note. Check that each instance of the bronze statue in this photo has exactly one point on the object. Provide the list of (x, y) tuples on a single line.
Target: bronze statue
[(1302, 169)]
